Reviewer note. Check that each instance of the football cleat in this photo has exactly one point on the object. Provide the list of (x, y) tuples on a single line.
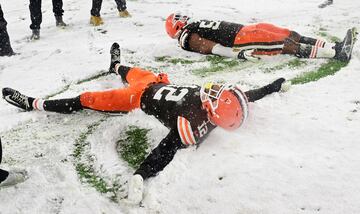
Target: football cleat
[(17, 99), (344, 49), (115, 54)]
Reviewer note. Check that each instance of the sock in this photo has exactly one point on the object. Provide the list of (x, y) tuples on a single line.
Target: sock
[(309, 51), (224, 51), (38, 104)]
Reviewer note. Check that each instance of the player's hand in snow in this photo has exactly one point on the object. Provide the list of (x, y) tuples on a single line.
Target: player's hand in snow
[(248, 55), (135, 190)]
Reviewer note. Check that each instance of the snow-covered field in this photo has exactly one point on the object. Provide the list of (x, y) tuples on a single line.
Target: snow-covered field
[(299, 151)]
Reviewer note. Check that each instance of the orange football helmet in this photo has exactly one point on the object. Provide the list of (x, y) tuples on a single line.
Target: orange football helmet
[(226, 105), (174, 24)]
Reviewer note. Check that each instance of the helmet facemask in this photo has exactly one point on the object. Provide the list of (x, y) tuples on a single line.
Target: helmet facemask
[(210, 94)]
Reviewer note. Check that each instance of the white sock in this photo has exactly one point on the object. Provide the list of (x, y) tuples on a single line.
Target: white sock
[(38, 104), (325, 52), (224, 51)]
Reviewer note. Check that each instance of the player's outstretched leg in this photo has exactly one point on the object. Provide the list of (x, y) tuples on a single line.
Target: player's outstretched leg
[(17, 99), (115, 54), (26, 103)]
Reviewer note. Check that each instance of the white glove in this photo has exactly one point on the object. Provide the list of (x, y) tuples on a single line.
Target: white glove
[(14, 177), (248, 55), (136, 188), (285, 86)]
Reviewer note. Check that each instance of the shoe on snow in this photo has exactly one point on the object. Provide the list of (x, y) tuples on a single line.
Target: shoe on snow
[(59, 22), (124, 14), (35, 34), (344, 49), (115, 54), (96, 20), (17, 99), (14, 177)]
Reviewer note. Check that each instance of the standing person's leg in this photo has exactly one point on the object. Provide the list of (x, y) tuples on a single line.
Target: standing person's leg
[(3, 174), (121, 6), (58, 12), (95, 18), (5, 47), (36, 18)]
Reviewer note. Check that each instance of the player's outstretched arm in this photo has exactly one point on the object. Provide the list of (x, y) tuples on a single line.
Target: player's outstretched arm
[(161, 156), (276, 86), (156, 161), (27, 103)]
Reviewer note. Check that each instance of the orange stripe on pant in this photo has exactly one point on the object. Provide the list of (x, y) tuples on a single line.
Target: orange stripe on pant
[(261, 32), (123, 99)]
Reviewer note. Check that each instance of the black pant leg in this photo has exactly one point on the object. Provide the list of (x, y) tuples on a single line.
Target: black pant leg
[(58, 7), (5, 47), (35, 14), (3, 173), (96, 7), (121, 4), (64, 106)]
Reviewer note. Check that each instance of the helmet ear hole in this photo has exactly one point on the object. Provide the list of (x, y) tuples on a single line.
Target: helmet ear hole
[(177, 27)]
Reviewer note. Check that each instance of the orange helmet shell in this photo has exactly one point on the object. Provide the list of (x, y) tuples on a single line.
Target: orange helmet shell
[(227, 106), (174, 24)]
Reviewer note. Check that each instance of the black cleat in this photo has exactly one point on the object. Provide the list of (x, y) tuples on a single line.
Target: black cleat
[(344, 49), (17, 99), (115, 56)]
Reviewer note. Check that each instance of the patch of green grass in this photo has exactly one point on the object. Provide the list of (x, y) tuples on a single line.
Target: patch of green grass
[(133, 146), (293, 64), (217, 63), (326, 69), (84, 164), (172, 60)]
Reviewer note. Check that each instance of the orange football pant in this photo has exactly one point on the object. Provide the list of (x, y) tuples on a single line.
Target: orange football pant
[(123, 99), (261, 33)]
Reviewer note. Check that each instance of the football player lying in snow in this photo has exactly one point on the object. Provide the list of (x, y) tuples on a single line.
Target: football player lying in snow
[(249, 41), (190, 112)]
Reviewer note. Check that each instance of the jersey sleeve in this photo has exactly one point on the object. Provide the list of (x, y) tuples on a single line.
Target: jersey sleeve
[(161, 156), (184, 40), (185, 131)]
